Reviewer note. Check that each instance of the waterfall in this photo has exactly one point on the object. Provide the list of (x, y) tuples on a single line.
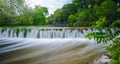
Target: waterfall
[(48, 45), (43, 33)]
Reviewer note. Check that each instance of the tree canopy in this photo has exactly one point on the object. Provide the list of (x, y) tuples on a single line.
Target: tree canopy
[(87, 13), (16, 12)]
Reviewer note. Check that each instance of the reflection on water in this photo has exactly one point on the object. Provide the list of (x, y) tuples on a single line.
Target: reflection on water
[(49, 51)]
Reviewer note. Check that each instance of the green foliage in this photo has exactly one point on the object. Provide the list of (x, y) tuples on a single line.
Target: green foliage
[(87, 13), (82, 18), (39, 15), (16, 12), (104, 35), (84, 14), (118, 10), (115, 23), (102, 22), (114, 49), (60, 16), (108, 7), (107, 36), (106, 13), (21, 20), (71, 20)]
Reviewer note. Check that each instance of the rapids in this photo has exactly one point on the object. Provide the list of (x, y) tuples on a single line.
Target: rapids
[(48, 46)]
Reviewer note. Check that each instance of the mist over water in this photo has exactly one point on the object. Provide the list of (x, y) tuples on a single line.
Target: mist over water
[(70, 48)]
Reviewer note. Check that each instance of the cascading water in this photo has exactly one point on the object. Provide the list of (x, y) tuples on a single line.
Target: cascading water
[(43, 33), (47, 46)]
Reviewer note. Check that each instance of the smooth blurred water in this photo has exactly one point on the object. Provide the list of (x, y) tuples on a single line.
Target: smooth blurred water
[(55, 46), (49, 51)]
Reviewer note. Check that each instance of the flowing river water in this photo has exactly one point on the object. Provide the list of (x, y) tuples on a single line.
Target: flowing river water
[(48, 46)]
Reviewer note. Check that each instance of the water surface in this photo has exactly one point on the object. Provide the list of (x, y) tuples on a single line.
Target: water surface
[(48, 46)]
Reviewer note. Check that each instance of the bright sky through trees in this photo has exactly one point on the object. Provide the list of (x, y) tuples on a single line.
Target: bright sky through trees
[(52, 5)]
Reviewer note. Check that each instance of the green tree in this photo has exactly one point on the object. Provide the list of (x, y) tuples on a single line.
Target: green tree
[(107, 36), (40, 15), (116, 23), (71, 20), (107, 9), (102, 22), (9, 9), (16, 12), (60, 16)]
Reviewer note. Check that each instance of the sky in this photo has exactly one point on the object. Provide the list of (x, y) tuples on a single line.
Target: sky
[(52, 5)]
